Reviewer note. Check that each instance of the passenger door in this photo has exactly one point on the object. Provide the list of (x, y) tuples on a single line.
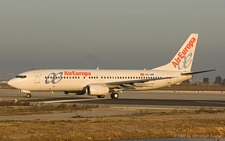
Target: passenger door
[(169, 80), (36, 77)]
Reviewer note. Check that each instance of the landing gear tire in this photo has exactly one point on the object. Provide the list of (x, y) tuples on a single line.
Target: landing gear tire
[(114, 95), (100, 96), (28, 95)]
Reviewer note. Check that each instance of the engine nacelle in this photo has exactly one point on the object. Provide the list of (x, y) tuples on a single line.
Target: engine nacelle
[(97, 89)]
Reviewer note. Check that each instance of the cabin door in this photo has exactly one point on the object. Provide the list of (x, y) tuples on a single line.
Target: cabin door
[(36, 77), (169, 79)]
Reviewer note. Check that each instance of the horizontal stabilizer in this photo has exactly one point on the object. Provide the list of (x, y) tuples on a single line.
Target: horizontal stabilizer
[(196, 72)]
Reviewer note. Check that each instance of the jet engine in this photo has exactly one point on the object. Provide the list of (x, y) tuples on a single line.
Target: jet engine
[(97, 89)]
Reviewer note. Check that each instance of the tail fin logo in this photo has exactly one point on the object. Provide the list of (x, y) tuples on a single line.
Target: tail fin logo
[(187, 61), (181, 55)]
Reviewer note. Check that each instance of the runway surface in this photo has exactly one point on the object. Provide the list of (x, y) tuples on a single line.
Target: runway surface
[(150, 98)]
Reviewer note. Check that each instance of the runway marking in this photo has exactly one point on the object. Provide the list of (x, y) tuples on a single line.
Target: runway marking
[(73, 100), (210, 102)]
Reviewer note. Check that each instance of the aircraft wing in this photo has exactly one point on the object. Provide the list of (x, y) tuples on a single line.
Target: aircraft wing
[(132, 82), (196, 72)]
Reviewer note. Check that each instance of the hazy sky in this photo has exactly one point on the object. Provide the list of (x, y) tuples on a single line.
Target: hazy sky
[(132, 33)]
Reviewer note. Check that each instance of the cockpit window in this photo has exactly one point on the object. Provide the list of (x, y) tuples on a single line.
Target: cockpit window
[(21, 76)]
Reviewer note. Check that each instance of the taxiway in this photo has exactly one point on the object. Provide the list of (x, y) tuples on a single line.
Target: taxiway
[(147, 98)]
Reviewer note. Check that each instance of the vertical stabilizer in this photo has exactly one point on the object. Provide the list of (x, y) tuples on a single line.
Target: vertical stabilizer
[(183, 59)]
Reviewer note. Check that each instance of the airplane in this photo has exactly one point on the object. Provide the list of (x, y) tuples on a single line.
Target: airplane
[(103, 82)]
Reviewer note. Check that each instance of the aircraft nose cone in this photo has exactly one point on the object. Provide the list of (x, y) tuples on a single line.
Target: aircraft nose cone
[(12, 82)]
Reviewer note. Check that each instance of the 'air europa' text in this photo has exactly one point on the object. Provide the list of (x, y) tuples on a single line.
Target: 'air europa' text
[(180, 55)]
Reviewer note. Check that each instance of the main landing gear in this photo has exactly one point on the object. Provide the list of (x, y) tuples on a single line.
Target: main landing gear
[(114, 95), (28, 96), (100, 96)]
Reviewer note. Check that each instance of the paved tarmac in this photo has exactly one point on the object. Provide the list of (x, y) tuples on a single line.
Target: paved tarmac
[(133, 98)]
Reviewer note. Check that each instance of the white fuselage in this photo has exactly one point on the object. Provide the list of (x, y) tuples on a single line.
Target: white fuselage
[(77, 80)]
